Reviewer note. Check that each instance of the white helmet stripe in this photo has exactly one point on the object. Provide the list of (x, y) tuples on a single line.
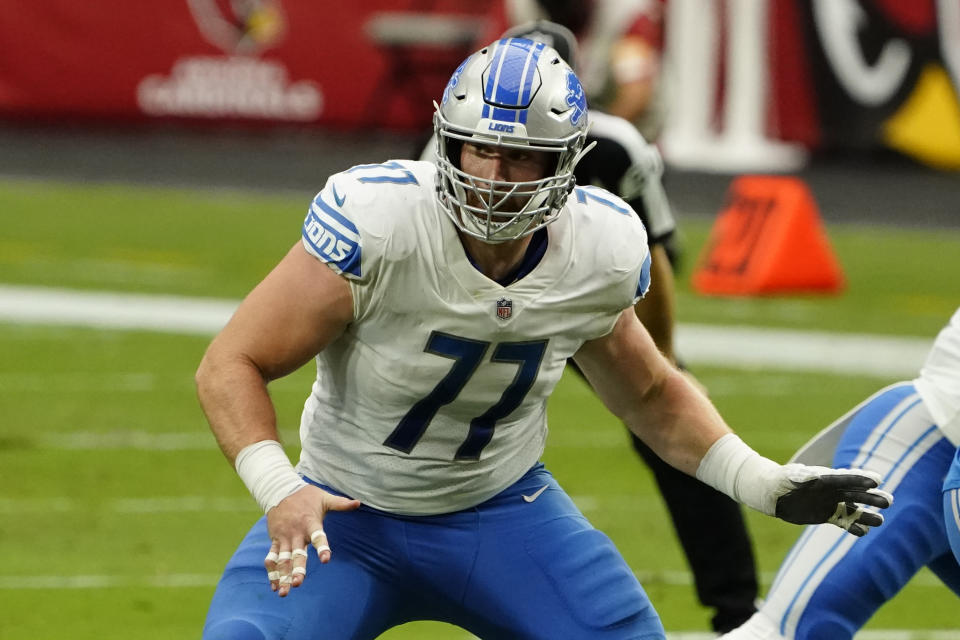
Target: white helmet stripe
[(526, 82)]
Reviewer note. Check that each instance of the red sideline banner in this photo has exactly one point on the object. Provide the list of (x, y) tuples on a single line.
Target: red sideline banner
[(342, 64), (760, 81)]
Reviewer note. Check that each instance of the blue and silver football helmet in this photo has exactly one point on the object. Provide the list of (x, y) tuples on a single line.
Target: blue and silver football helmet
[(514, 93)]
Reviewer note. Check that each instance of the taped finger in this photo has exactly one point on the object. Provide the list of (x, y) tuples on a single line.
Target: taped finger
[(283, 556), (271, 557), (273, 576), (317, 534), (846, 515), (299, 571)]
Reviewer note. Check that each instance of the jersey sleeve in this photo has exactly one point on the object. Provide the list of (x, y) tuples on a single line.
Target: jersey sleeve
[(939, 380), (355, 224), (626, 164), (330, 231), (617, 257)]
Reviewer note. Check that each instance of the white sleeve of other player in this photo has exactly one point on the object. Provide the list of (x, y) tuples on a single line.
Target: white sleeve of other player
[(939, 381)]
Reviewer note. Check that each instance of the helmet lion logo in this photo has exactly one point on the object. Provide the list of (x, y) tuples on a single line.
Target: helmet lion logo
[(454, 81), (575, 99)]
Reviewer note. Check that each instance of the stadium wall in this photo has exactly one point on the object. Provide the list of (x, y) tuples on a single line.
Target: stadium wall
[(782, 77)]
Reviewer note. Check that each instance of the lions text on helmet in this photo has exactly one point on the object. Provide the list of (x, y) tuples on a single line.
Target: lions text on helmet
[(518, 104)]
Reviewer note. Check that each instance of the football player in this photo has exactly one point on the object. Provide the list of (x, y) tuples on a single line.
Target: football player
[(831, 583), (441, 303)]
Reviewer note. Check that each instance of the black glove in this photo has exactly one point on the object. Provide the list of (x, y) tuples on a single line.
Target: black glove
[(814, 495)]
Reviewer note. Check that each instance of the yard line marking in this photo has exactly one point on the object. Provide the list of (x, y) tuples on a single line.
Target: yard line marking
[(208, 581), (76, 382), (761, 347), (138, 440), (683, 578), (200, 440), (108, 310), (125, 506), (178, 504), (173, 580), (699, 344)]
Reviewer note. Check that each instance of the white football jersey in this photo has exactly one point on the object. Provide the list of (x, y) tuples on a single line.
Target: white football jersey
[(939, 381), (434, 399)]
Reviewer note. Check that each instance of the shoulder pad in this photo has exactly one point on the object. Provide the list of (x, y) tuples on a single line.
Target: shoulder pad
[(359, 206), (596, 196), (329, 233), (615, 235)]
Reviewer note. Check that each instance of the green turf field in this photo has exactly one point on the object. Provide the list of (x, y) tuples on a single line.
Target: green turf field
[(117, 511)]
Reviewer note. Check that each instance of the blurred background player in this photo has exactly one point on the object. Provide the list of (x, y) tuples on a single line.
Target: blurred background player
[(721, 556), (829, 585), (621, 53)]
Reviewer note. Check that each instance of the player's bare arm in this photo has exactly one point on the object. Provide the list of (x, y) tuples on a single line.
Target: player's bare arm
[(640, 386), (680, 424), (290, 316), (299, 308)]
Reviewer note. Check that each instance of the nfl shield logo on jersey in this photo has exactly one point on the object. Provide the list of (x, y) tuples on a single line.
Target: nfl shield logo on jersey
[(504, 308)]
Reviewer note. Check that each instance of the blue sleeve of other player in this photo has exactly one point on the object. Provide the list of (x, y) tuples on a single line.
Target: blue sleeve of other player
[(952, 480)]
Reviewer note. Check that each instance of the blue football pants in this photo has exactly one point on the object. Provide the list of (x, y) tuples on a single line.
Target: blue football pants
[(832, 582), (507, 568)]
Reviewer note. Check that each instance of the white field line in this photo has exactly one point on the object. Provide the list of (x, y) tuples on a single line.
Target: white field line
[(128, 506), (708, 345), (160, 505), (172, 580), (762, 348), (138, 440), (169, 314), (671, 578), (201, 440), (208, 581)]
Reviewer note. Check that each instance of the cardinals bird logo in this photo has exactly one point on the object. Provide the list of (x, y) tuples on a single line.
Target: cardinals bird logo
[(240, 26)]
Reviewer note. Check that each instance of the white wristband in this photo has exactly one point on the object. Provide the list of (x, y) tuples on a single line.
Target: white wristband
[(732, 467), (266, 470)]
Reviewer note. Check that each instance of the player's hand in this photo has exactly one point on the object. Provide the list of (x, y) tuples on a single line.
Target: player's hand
[(294, 525), (814, 495)]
